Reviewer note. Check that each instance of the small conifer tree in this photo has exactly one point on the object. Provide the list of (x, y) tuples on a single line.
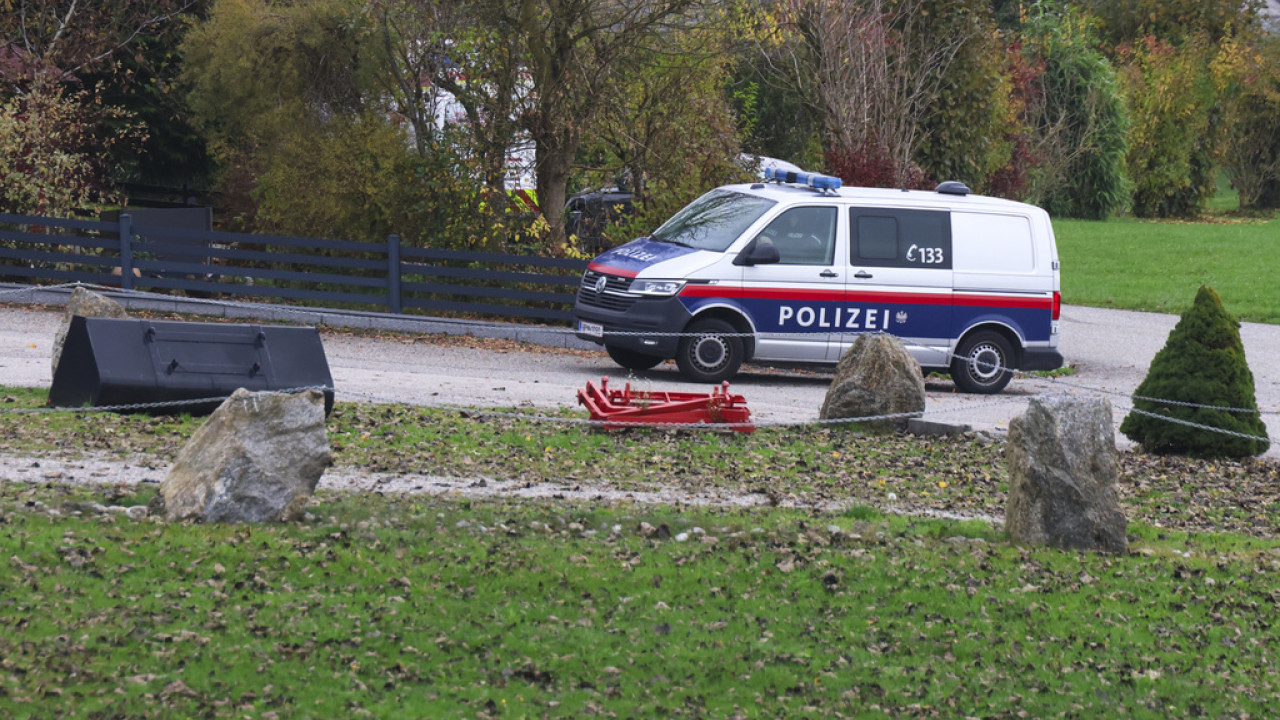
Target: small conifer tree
[(1202, 363)]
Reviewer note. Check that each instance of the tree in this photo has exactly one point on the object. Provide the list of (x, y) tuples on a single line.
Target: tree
[(56, 56), (1172, 21), (430, 47), (1171, 106), (873, 69), (969, 131), (667, 129), (573, 51), (773, 117), (145, 83), (1246, 74), (263, 78), (1075, 117), (1200, 377), (58, 40)]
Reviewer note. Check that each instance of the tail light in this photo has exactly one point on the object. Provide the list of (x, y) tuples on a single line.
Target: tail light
[(1057, 305)]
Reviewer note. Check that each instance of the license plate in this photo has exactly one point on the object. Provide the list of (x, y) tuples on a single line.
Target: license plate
[(590, 328)]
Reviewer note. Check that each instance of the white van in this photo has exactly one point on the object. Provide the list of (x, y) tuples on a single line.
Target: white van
[(793, 269)]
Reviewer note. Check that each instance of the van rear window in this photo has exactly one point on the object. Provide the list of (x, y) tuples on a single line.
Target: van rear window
[(992, 243)]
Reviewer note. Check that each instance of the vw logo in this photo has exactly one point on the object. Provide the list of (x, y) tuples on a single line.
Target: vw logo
[(601, 282)]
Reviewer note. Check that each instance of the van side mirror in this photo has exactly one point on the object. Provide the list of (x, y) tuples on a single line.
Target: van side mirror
[(758, 253)]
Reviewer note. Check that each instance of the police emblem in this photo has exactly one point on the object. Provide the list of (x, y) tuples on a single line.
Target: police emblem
[(901, 317)]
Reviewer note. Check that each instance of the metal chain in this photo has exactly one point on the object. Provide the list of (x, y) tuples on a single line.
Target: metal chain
[(1160, 401), (191, 402), (1201, 426), (32, 289)]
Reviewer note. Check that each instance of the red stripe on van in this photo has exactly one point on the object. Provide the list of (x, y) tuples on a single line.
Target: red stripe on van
[(1004, 301), (896, 298), (739, 293), (610, 270), (900, 298)]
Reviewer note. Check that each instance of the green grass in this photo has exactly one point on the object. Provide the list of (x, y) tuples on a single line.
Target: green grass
[(383, 605), (405, 606), (1158, 266), (782, 465)]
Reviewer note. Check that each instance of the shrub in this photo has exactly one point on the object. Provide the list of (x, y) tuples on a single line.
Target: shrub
[(1077, 120), (870, 165), (51, 157), (1247, 78), (1202, 364), (1172, 111), (968, 131)]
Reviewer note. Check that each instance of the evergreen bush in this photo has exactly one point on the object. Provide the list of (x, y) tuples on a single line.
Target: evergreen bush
[(1202, 363)]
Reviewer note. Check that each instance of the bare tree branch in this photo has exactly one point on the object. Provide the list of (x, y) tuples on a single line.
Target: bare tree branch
[(870, 69)]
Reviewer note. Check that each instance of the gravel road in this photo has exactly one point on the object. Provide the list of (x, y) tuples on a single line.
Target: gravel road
[(1110, 349)]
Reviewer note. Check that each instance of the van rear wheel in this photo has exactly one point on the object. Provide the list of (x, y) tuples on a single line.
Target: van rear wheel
[(983, 363), (631, 359), (710, 351)]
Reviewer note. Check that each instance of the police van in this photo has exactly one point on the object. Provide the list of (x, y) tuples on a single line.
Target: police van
[(793, 269)]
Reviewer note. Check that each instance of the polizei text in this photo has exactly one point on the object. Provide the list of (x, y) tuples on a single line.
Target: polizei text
[(844, 318)]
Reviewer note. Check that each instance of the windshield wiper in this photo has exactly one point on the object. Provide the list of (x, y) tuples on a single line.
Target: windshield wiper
[(669, 242)]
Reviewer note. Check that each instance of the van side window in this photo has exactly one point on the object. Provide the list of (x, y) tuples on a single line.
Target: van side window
[(803, 236), (900, 238)]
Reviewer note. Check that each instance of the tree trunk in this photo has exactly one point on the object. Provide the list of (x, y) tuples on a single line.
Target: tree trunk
[(1269, 197), (554, 162)]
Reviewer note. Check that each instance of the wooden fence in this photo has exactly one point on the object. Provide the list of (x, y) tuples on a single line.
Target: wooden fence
[(388, 277)]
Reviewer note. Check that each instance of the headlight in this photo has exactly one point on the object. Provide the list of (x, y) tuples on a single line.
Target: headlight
[(656, 288)]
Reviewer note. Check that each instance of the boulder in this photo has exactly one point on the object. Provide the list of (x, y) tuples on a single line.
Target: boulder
[(256, 459), (1061, 457), (876, 376), (84, 303)]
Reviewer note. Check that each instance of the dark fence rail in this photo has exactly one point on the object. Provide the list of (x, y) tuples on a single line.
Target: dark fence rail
[(386, 276)]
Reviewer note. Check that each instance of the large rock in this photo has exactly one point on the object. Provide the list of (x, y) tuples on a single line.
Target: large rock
[(84, 303), (876, 376), (1061, 457), (256, 459)]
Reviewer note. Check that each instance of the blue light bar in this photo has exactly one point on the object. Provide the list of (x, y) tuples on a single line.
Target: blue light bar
[(813, 180)]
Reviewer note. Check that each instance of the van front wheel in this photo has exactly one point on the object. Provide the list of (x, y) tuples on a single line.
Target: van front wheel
[(983, 363), (711, 351)]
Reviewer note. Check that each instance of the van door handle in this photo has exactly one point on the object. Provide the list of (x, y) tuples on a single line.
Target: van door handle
[(827, 273), (862, 274)]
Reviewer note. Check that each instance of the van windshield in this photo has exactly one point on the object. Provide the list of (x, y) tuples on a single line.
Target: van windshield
[(713, 221)]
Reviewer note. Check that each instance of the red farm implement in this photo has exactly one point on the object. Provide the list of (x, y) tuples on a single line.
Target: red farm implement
[(629, 408)]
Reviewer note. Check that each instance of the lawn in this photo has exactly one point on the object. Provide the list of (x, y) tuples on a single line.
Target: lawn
[(1158, 266), (404, 606), (380, 605)]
